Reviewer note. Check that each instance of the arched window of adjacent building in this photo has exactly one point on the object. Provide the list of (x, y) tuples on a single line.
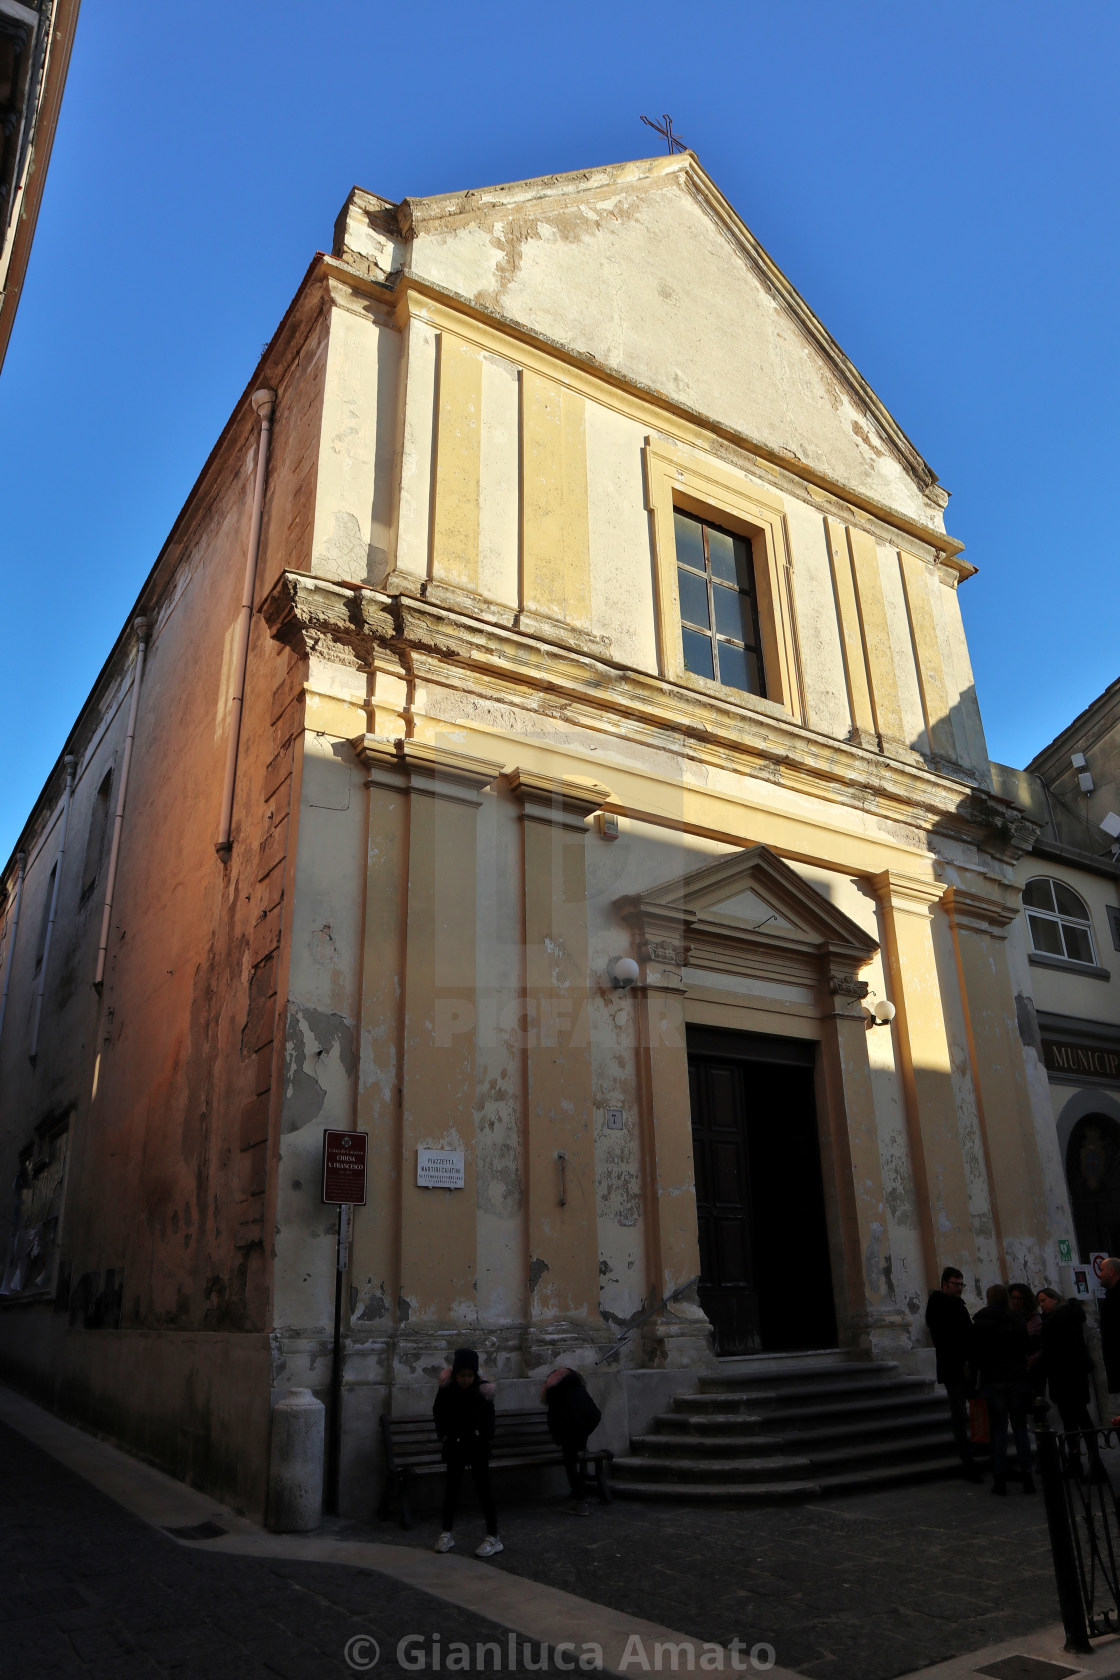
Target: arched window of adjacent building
[(1058, 920), (1093, 1176), (95, 840)]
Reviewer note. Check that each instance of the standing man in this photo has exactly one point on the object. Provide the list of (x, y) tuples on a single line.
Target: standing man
[(951, 1332), (1110, 1323)]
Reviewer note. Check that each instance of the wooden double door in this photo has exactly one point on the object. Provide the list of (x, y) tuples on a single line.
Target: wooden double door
[(765, 1274)]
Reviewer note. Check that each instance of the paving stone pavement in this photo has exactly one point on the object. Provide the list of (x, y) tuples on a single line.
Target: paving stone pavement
[(90, 1590), (857, 1589), (861, 1588)]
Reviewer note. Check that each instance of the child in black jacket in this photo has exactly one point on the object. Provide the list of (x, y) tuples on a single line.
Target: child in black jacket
[(464, 1417), (572, 1418)]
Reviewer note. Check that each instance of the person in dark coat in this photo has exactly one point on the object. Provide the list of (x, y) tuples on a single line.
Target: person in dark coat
[(1001, 1350), (1066, 1368), (1110, 1323), (572, 1419), (1024, 1307), (950, 1329), (464, 1418)]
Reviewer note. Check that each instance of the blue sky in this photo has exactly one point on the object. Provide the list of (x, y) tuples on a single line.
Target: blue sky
[(940, 182)]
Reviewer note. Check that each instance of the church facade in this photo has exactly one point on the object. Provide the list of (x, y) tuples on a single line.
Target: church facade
[(610, 836)]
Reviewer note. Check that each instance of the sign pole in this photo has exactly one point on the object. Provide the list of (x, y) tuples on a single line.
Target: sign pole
[(334, 1436), (344, 1186)]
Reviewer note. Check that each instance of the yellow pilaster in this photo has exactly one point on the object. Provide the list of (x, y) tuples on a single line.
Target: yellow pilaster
[(458, 464), (563, 1258), (927, 651), (998, 1074), (437, 1085), (668, 1169), (555, 541), (850, 1161), (375, 1260), (877, 644), (851, 637), (941, 1189)]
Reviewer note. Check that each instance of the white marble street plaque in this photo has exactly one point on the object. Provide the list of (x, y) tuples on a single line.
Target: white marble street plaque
[(440, 1169)]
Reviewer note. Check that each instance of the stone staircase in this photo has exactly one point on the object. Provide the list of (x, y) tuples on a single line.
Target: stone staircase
[(791, 1427)]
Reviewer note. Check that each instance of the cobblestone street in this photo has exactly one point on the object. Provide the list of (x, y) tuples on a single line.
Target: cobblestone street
[(856, 1589), (860, 1589), (92, 1591)]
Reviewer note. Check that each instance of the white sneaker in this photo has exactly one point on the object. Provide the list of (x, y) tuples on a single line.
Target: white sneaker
[(445, 1543), (490, 1547)]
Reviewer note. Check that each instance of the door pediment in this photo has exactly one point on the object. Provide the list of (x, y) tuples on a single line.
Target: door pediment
[(751, 913)]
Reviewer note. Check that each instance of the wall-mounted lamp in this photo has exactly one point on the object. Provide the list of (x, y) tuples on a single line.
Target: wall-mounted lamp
[(623, 972), (883, 1013)]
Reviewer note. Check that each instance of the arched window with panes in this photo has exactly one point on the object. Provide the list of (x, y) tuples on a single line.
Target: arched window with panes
[(1058, 920)]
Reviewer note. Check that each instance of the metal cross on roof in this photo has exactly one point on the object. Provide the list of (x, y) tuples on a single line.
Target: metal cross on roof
[(665, 129)]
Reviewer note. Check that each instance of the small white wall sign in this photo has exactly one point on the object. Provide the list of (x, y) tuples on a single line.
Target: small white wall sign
[(440, 1169), (616, 1120)]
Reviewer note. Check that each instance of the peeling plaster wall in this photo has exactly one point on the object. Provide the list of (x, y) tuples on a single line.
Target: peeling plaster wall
[(822, 660), (622, 604), (617, 273), (157, 1330), (320, 1026), (355, 459), (502, 1286), (383, 388)]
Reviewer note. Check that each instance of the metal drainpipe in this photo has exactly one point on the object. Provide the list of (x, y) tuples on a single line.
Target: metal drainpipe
[(71, 764), (140, 625), (263, 402), (13, 929)]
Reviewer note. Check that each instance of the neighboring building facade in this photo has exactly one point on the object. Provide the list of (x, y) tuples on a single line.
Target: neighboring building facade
[(35, 41), (1070, 933), (606, 621)]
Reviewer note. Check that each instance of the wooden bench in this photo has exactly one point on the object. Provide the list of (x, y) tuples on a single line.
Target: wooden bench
[(521, 1441)]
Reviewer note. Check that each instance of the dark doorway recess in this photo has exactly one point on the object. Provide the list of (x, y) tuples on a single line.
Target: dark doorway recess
[(1093, 1176), (765, 1277)]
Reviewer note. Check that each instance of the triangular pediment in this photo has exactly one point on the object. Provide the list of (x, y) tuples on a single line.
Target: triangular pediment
[(751, 901), (647, 270)]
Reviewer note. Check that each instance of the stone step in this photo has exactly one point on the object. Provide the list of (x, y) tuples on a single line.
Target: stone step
[(772, 1378), (821, 1396), (829, 1420), (707, 1446), (700, 1471), (879, 1433), (677, 1423), (726, 1493), (944, 1466), (756, 1364), (915, 1449), (917, 1420), (775, 1493), (892, 1404)]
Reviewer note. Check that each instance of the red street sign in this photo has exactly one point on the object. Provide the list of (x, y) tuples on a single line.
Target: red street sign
[(344, 1167)]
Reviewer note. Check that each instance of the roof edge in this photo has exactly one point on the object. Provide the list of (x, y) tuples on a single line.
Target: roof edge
[(416, 213)]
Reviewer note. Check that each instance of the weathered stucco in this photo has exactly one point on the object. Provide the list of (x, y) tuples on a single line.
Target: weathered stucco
[(470, 760)]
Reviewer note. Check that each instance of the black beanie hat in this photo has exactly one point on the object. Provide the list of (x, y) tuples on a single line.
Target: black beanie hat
[(466, 1359)]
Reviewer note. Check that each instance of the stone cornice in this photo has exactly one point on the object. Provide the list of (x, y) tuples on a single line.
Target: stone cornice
[(913, 894), (412, 292), (682, 924), (979, 913), (747, 737), (556, 799), (425, 768)]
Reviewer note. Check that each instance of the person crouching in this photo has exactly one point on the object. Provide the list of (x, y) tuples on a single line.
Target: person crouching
[(464, 1418), (572, 1419)]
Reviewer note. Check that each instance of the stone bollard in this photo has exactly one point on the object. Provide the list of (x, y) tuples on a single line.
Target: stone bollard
[(295, 1476)]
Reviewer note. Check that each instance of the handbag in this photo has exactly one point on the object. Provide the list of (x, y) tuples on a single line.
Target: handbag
[(978, 1421)]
